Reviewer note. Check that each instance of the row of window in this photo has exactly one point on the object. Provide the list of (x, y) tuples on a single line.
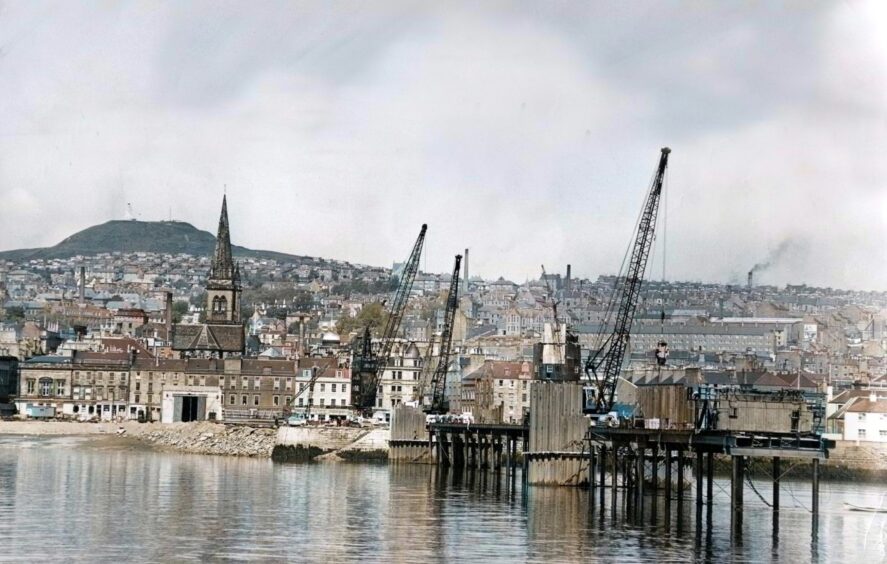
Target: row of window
[(244, 400)]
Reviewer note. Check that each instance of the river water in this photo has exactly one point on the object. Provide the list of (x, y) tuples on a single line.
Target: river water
[(81, 499)]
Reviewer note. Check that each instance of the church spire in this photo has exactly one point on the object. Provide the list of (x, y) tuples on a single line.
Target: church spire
[(223, 262)]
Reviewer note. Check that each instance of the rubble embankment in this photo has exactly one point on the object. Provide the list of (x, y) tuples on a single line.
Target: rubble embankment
[(198, 437), (209, 438)]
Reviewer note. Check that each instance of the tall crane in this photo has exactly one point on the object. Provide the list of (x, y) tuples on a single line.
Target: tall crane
[(368, 371), (603, 366), (435, 402)]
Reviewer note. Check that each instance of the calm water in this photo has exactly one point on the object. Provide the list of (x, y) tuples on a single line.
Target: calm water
[(76, 499)]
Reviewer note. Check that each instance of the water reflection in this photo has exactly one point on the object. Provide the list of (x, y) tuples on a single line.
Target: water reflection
[(74, 499)]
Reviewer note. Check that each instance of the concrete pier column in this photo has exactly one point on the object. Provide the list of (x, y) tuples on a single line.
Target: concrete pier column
[(639, 487), (737, 486), (710, 476), (680, 476), (591, 461), (776, 477), (815, 487), (615, 471), (698, 470), (668, 485), (602, 468)]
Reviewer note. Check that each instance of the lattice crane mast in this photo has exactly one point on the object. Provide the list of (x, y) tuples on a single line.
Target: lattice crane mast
[(367, 375), (436, 403), (604, 365)]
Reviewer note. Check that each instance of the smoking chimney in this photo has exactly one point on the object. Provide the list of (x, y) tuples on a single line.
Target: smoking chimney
[(751, 275), (82, 285), (568, 280), (168, 318)]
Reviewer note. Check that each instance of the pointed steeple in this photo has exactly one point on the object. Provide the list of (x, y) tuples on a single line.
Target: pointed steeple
[(223, 262)]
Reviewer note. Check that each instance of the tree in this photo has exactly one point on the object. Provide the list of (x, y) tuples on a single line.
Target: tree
[(372, 314), (15, 313), (179, 309)]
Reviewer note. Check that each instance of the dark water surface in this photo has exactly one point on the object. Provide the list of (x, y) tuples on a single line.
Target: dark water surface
[(80, 499)]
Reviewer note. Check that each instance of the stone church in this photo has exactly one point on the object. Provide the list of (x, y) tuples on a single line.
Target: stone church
[(222, 333)]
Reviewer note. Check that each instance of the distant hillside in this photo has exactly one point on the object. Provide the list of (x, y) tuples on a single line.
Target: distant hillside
[(139, 236)]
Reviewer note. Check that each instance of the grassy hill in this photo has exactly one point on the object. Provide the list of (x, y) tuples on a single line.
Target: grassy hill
[(139, 236)]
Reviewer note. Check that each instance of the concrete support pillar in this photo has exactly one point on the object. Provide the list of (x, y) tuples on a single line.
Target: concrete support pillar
[(615, 471), (776, 477), (680, 476), (815, 487), (591, 462), (668, 485), (698, 470), (737, 487), (710, 476), (639, 487)]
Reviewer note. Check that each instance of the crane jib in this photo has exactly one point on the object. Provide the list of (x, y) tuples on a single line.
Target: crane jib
[(606, 363)]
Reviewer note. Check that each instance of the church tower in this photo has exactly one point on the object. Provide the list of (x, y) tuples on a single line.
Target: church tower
[(223, 287), (222, 333)]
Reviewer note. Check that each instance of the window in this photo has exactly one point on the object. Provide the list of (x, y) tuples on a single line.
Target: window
[(333, 402), (138, 386), (60, 387), (321, 402), (255, 400), (243, 400), (244, 384), (322, 387), (300, 402), (277, 383), (332, 387), (883, 434), (344, 388), (45, 387), (862, 433), (232, 399), (289, 400), (31, 385), (276, 400), (137, 398), (256, 382)]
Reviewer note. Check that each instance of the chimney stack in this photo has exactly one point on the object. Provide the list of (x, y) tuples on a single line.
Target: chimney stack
[(465, 277), (568, 282), (168, 318), (751, 275), (82, 285)]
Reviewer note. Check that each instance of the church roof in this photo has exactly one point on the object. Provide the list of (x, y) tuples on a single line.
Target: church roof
[(208, 337)]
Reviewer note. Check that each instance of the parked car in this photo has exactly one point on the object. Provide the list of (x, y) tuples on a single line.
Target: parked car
[(297, 420)]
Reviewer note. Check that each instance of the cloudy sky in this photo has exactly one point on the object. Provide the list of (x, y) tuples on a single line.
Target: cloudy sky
[(525, 131)]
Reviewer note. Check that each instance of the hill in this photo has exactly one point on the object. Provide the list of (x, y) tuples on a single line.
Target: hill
[(172, 237)]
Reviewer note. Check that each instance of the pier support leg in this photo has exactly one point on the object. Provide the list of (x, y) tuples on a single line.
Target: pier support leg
[(639, 487), (776, 476), (815, 487), (736, 488), (668, 485), (603, 471), (591, 461), (699, 455), (680, 476), (615, 471), (654, 481), (710, 476)]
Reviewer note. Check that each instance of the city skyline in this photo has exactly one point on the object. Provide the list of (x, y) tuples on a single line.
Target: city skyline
[(520, 133)]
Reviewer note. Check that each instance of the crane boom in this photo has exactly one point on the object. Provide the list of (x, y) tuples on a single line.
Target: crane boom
[(437, 402), (604, 365), (366, 376)]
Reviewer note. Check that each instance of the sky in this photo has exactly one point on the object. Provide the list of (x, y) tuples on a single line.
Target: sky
[(525, 131)]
